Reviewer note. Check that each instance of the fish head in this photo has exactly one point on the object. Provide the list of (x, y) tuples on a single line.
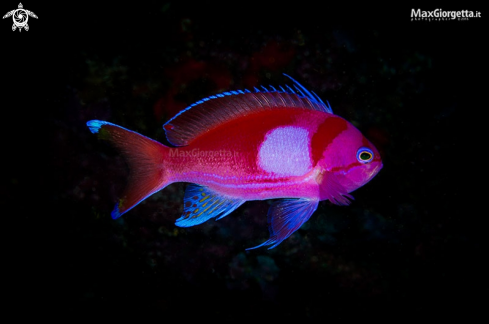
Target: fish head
[(351, 158)]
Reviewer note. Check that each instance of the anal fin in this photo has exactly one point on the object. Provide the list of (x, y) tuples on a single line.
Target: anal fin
[(285, 217), (202, 204)]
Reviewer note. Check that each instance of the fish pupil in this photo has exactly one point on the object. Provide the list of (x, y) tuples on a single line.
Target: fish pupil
[(364, 156)]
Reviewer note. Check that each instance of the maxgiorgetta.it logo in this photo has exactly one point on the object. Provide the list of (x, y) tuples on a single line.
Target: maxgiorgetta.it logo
[(441, 15)]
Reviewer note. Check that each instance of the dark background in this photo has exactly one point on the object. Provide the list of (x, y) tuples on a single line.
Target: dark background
[(410, 245)]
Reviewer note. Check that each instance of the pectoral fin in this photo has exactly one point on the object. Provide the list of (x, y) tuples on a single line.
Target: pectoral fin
[(331, 189), (285, 217)]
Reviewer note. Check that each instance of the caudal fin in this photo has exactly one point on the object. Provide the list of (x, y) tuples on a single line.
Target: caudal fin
[(145, 158)]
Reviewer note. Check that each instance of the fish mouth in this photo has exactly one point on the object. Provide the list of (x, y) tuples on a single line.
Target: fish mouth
[(374, 170), (377, 168)]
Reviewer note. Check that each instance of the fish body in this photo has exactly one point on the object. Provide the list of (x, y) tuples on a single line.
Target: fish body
[(240, 146)]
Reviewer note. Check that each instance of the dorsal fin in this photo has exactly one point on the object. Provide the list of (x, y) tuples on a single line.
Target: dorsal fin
[(209, 112)]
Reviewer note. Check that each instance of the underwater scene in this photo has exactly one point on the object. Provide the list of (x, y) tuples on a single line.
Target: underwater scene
[(339, 150)]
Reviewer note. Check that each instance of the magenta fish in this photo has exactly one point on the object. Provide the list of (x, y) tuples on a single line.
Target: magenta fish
[(241, 145)]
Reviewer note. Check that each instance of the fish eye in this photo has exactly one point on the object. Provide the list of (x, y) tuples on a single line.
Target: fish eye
[(365, 155)]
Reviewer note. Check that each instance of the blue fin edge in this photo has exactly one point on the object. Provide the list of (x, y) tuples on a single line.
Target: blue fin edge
[(301, 91), (210, 204), (95, 125), (285, 217), (116, 213)]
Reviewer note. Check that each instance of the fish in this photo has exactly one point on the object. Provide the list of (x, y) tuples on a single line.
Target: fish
[(283, 144)]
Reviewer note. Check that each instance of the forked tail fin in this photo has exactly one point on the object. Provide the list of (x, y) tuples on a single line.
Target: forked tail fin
[(145, 158)]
